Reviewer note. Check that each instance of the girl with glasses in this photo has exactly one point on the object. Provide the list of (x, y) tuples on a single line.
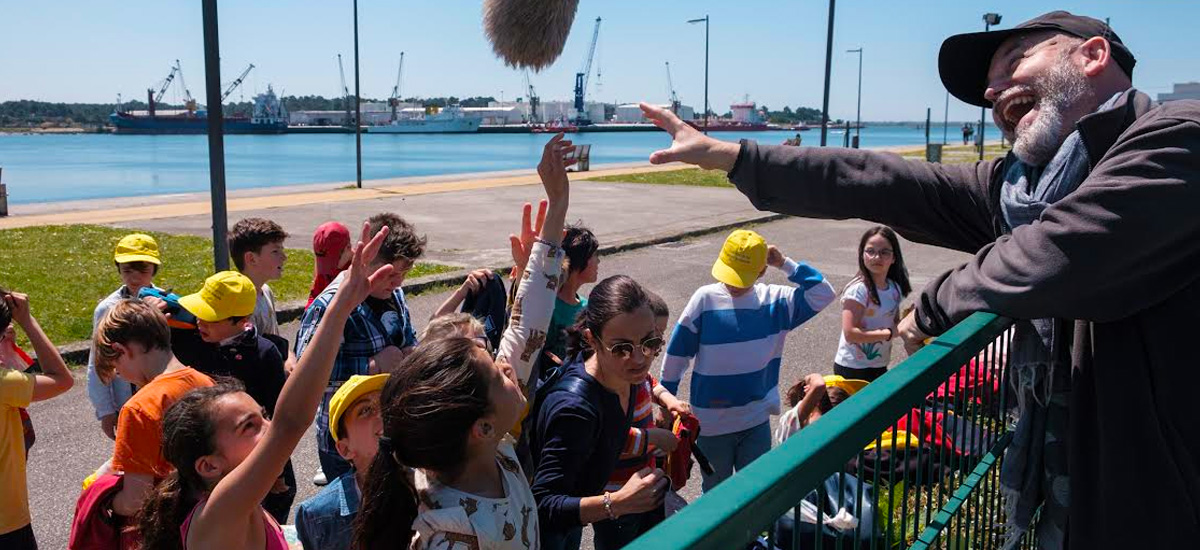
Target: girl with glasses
[(871, 306)]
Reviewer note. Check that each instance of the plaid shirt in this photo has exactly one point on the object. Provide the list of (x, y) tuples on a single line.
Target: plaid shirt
[(364, 336)]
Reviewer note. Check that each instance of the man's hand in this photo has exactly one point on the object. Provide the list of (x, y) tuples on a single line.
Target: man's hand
[(908, 330), (522, 245), (108, 425), (775, 258), (688, 144)]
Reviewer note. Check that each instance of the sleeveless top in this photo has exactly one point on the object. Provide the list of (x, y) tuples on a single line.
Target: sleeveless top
[(275, 537)]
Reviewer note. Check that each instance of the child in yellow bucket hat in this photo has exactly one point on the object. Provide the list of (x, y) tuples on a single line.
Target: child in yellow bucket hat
[(731, 334)]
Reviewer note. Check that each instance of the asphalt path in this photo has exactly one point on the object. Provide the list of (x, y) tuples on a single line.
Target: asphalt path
[(70, 444)]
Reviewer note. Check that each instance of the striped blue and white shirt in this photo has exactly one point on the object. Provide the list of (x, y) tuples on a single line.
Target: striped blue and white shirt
[(735, 345)]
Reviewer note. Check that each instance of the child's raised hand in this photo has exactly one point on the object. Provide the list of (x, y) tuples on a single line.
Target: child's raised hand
[(19, 305), (553, 167), (522, 245), (359, 282), (774, 256)]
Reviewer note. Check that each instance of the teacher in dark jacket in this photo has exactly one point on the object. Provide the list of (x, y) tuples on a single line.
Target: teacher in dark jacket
[(1087, 233)]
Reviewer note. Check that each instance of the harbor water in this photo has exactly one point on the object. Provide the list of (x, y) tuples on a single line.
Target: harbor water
[(59, 167)]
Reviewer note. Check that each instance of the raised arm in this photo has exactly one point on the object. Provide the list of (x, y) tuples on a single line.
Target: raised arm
[(944, 205), (238, 494), (55, 378), (533, 303)]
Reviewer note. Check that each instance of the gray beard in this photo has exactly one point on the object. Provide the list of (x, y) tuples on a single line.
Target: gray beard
[(1062, 88)]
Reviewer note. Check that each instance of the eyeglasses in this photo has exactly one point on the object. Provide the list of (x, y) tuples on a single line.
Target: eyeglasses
[(878, 253), (624, 350)]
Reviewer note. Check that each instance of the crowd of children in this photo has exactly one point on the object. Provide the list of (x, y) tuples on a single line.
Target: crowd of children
[(510, 425)]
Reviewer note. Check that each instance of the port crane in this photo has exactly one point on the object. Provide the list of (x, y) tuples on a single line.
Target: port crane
[(153, 98), (581, 118), (394, 100), (534, 100), (345, 92), (671, 91), (236, 83)]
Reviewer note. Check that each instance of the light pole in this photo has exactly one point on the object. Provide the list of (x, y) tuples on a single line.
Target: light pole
[(357, 106), (828, 66), (216, 135), (705, 21), (989, 19), (858, 112)]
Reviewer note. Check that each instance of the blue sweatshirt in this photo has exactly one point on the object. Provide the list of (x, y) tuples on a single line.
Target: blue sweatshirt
[(575, 445)]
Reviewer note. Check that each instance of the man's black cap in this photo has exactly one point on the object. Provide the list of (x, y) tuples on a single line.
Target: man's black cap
[(965, 58)]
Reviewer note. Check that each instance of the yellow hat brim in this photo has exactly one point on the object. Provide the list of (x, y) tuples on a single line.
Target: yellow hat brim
[(198, 307), (733, 277), (348, 393), (130, 258)]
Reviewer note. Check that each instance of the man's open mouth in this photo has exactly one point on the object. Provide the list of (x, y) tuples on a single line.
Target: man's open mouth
[(1015, 107)]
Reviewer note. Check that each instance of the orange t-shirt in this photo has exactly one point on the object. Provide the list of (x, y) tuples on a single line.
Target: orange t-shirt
[(138, 448)]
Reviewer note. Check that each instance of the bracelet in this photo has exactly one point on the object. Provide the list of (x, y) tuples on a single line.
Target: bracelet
[(891, 334), (608, 505)]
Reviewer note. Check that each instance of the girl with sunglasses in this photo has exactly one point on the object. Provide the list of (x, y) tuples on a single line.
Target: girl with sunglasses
[(584, 419)]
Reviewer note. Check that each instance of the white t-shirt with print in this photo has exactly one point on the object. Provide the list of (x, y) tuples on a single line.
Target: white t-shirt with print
[(449, 519), (875, 317)]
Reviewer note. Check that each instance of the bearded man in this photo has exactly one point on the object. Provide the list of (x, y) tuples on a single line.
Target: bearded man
[(1086, 233)]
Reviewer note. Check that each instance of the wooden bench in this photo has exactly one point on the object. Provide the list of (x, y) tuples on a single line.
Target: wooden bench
[(582, 157)]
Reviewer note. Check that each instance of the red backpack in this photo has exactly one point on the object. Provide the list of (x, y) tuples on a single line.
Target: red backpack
[(95, 526)]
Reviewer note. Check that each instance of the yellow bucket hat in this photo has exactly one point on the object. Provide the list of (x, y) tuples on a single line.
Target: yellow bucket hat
[(224, 295), (137, 247), (345, 396), (742, 259)]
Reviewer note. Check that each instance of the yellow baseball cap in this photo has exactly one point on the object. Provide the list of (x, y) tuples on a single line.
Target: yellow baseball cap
[(345, 396), (742, 259), (224, 295), (137, 247)]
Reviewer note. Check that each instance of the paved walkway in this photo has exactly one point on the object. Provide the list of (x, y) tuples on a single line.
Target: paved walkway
[(130, 209)]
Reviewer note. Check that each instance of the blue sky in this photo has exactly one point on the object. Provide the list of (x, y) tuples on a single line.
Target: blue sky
[(771, 50)]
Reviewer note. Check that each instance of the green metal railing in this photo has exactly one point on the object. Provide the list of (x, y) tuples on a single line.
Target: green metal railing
[(943, 493)]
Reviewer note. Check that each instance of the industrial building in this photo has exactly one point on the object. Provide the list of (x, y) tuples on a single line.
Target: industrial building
[(631, 113), (1186, 90)]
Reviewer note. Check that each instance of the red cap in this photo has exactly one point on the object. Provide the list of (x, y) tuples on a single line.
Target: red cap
[(328, 241)]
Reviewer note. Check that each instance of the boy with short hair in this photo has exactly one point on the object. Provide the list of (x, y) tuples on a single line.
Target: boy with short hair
[(133, 341), (17, 390), (325, 521), (734, 331), (225, 343), (379, 333), (137, 261), (256, 245)]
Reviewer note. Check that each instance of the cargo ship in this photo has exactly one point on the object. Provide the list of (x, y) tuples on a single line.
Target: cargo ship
[(268, 117), (746, 118)]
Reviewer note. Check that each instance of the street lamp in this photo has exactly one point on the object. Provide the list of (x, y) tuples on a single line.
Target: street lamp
[(705, 21), (828, 67), (858, 114), (357, 106), (989, 19)]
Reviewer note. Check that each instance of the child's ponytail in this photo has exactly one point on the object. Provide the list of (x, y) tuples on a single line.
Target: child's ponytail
[(429, 405), (389, 504), (163, 513)]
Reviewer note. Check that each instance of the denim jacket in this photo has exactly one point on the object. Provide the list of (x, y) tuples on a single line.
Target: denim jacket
[(325, 521)]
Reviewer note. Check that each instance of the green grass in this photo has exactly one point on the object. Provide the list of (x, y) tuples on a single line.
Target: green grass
[(957, 154), (68, 269), (688, 176)]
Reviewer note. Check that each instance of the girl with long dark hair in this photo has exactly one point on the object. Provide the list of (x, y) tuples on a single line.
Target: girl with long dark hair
[(871, 306)]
